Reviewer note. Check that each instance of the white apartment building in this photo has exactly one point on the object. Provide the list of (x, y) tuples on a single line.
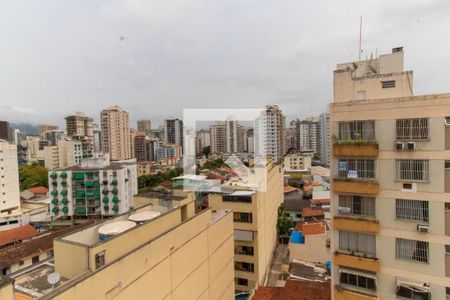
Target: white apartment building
[(97, 187), (297, 162), (308, 135), (173, 132), (325, 139), (31, 143), (390, 195), (115, 127), (9, 178), (67, 153), (269, 134)]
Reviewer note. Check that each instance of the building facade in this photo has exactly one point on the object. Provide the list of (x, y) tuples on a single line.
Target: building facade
[(297, 162), (173, 132), (390, 192), (325, 139), (144, 126), (96, 188), (5, 131), (67, 153), (9, 179), (308, 135), (115, 127), (270, 133)]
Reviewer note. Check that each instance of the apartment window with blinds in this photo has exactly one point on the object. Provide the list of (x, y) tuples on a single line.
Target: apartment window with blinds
[(412, 129), (412, 250), (412, 169), (412, 210), (357, 205), (357, 242), (242, 217), (359, 280), (356, 168), (357, 131)]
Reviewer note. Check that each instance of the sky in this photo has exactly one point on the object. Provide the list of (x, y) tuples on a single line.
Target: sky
[(156, 57)]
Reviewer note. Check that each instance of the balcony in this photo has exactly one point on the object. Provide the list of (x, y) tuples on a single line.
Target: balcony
[(356, 224), (341, 294), (355, 150), (358, 187), (356, 262)]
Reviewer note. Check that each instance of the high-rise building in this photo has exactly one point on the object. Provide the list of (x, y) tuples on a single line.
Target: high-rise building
[(203, 139), (96, 187), (255, 224), (46, 127), (227, 137), (5, 131), (325, 139), (144, 126), (52, 136), (270, 133), (173, 132), (79, 125), (141, 147), (390, 203), (67, 153), (218, 137), (115, 128), (9, 179), (97, 139), (308, 135), (168, 151)]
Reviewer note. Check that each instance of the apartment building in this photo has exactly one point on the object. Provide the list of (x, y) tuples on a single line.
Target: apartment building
[(269, 133), (255, 220), (168, 151), (202, 140), (95, 188), (41, 128), (9, 178), (390, 192), (5, 131), (67, 153), (141, 147), (325, 139), (297, 162), (308, 135), (173, 132), (144, 126), (150, 252), (115, 127), (52, 136)]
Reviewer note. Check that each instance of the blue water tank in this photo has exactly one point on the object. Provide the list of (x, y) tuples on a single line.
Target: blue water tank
[(329, 265), (297, 237)]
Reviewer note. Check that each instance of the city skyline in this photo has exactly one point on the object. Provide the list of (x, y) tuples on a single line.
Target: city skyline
[(135, 52)]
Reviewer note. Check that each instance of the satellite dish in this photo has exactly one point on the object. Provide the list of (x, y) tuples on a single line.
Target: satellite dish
[(53, 278)]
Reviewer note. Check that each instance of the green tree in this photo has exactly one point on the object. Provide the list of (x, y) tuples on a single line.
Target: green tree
[(32, 176), (206, 150), (284, 222)]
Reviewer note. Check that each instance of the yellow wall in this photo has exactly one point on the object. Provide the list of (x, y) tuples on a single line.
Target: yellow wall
[(70, 259), (7, 291)]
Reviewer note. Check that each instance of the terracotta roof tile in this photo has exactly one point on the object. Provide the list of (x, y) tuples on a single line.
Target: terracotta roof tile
[(312, 212), (17, 234), (320, 201), (288, 189), (313, 228), (38, 190), (295, 290)]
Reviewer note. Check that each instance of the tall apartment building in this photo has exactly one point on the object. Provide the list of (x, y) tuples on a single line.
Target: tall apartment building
[(308, 135), (203, 139), (66, 153), (325, 139), (173, 132), (296, 162), (144, 126), (391, 187), (9, 178), (5, 131), (255, 224), (97, 138), (218, 137), (270, 133), (115, 127), (142, 149), (52, 136), (41, 128), (227, 137), (95, 188), (81, 128), (168, 151)]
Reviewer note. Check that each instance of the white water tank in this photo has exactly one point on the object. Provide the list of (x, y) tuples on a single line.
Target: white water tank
[(114, 228), (143, 216)]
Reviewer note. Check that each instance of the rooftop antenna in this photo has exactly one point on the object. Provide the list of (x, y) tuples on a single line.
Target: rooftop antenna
[(360, 33)]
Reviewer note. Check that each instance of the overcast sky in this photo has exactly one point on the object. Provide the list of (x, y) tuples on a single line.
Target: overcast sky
[(155, 58)]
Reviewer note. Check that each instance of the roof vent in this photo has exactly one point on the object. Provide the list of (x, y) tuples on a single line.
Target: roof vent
[(397, 49)]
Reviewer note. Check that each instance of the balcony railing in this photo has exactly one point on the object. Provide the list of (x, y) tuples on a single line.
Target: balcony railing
[(358, 187), (356, 224), (355, 149), (356, 262)]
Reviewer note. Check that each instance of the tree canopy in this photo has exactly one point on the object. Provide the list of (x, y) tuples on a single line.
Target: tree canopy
[(32, 176)]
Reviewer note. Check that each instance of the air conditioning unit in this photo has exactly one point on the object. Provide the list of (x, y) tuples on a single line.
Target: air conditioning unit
[(423, 228), (411, 146), (399, 146), (344, 210)]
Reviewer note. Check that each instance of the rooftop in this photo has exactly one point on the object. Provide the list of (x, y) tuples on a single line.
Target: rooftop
[(312, 228), (17, 234), (295, 290), (308, 271), (38, 190), (312, 212)]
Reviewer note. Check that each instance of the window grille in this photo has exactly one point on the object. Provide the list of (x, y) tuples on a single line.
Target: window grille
[(365, 168), (242, 217), (412, 129), (357, 242), (357, 131), (357, 205), (412, 250), (406, 291), (244, 266), (358, 279), (414, 210), (388, 84), (412, 169)]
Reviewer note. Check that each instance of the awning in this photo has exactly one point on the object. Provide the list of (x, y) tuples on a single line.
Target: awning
[(114, 182), (63, 175), (79, 192), (55, 210), (115, 208), (79, 176), (90, 193), (54, 192), (115, 191), (115, 199), (80, 210), (55, 201), (106, 207), (64, 192), (105, 200), (65, 201), (65, 209)]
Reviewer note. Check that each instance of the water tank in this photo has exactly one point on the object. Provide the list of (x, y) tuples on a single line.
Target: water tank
[(114, 228), (143, 216)]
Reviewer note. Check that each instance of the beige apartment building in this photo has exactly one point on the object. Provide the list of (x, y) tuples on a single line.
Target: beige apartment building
[(153, 252), (391, 187), (115, 126), (255, 225)]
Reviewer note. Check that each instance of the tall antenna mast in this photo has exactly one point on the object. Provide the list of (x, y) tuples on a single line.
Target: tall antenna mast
[(360, 34)]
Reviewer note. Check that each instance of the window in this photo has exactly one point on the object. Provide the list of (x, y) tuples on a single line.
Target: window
[(357, 205), (99, 259), (240, 199), (413, 291), (447, 164), (356, 168), (35, 259), (243, 250), (388, 84), (411, 250), (357, 242), (414, 210), (357, 279), (447, 121), (242, 217), (412, 129), (244, 266), (361, 95), (241, 281), (412, 169), (357, 131), (21, 263)]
